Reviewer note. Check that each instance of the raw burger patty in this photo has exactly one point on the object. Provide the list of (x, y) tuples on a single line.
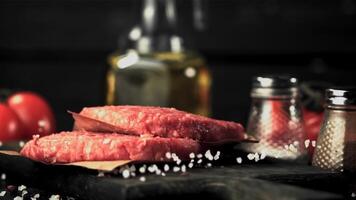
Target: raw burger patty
[(164, 122), (76, 146)]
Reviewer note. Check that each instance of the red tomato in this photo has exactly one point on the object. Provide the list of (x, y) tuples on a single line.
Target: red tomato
[(11, 127), (34, 113)]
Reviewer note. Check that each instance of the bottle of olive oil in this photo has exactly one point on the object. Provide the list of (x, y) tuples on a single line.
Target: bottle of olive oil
[(153, 68)]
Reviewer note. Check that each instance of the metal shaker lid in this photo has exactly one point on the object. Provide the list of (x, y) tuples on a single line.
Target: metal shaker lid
[(274, 82), (343, 96), (274, 86)]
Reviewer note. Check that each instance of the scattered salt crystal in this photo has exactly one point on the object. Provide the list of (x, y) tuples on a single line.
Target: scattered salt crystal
[(191, 155), (353, 194), (21, 187), (133, 174), (183, 168), (192, 160), (36, 196), (24, 193), (101, 174), (306, 143), (174, 156), (217, 155), (2, 193), (158, 172), (133, 168), (55, 197), (199, 155), (3, 176), (18, 198), (142, 169), (21, 143), (168, 155), (178, 161), (239, 160), (263, 155), (176, 169), (250, 156), (208, 155), (163, 174), (208, 164), (190, 165), (313, 143), (200, 161), (152, 168), (166, 167), (142, 179), (257, 157), (126, 173)]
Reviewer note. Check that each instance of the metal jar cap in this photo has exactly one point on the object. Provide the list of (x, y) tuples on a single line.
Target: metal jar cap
[(341, 96), (272, 86)]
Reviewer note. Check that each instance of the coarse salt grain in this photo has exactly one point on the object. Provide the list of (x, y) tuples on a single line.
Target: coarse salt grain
[(101, 174), (158, 171), (217, 155), (183, 168), (152, 168), (2, 193), (191, 155), (166, 167), (250, 156), (176, 169), (168, 155), (133, 168), (133, 174), (24, 193), (208, 155), (257, 157), (263, 155), (208, 164), (126, 173), (200, 161), (200, 155), (353, 194), (18, 198), (142, 169), (36, 196), (178, 161), (306, 143), (239, 160), (163, 174), (21, 143), (313, 143), (3, 176), (21, 187), (55, 197), (142, 179), (190, 165)]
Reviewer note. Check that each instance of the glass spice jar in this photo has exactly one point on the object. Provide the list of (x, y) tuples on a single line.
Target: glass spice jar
[(336, 144), (276, 118)]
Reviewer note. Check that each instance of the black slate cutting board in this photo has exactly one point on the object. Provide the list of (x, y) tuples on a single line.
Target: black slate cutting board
[(262, 180)]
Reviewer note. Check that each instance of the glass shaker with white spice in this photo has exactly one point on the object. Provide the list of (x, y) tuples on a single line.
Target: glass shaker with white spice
[(336, 145), (276, 118)]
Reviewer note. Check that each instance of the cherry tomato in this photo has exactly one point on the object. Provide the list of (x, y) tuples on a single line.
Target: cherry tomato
[(11, 127), (34, 113)]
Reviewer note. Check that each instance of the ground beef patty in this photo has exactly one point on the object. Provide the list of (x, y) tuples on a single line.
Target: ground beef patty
[(162, 122), (76, 146)]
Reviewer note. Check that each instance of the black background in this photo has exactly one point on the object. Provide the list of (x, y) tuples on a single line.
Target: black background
[(58, 48)]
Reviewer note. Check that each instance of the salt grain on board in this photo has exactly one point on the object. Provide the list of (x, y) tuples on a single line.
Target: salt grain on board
[(168, 155), (2, 193), (24, 193), (191, 155), (190, 165), (101, 174), (21, 187), (200, 161), (208, 165), (199, 155), (55, 197), (208, 155), (353, 195), (250, 156), (217, 155), (21, 143), (306, 143), (36, 196), (126, 173), (166, 167), (18, 198), (142, 179), (176, 169), (163, 174), (183, 168), (239, 160), (3, 176), (142, 169)]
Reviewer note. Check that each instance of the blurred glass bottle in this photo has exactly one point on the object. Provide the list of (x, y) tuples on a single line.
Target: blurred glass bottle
[(336, 145), (153, 68), (276, 118)]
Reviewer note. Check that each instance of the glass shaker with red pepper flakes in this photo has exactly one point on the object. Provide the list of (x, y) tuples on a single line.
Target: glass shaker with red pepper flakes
[(336, 145), (276, 118)]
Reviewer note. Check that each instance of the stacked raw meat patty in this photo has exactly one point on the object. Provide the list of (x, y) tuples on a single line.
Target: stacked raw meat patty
[(134, 133)]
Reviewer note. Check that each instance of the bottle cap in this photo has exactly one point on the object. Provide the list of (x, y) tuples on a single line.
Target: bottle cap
[(273, 86), (343, 96)]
